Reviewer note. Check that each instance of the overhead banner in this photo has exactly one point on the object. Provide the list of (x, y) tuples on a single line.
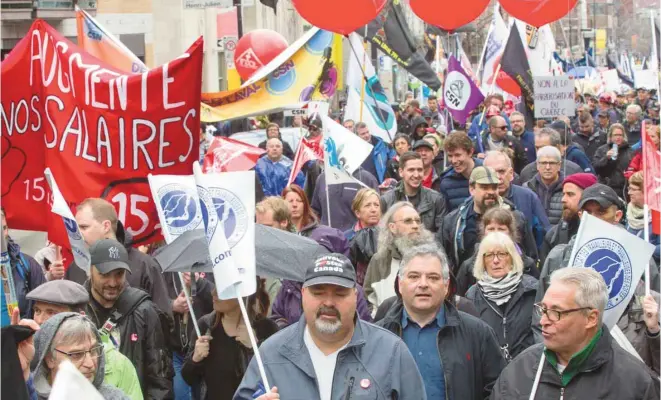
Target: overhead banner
[(101, 130), (305, 71)]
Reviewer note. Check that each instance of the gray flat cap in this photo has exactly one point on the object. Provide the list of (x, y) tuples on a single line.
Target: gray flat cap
[(61, 292)]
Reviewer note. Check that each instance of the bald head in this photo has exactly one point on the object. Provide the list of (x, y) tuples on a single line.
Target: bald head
[(274, 149), (497, 127)]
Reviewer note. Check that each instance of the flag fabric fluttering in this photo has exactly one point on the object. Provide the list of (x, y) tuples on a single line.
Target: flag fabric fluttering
[(367, 101), (493, 50), (620, 257), (540, 46), (228, 155), (391, 34), (304, 153), (515, 64), (460, 94), (344, 152), (81, 254)]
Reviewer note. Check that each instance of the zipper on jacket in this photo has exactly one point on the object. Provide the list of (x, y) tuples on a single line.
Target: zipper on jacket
[(562, 393), (347, 396), (445, 377)]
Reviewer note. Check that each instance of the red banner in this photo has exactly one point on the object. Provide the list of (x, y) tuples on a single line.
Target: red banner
[(652, 181), (100, 131), (228, 155)]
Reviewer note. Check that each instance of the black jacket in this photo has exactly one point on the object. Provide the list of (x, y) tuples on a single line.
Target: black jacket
[(633, 131), (431, 205), (558, 234), (608, 373), (611, 172), (181, 335), (566, 168), (468, 350), (520, 159), (465, 279), (458, 249), (145, 274), (142, 339), (590, 144), (512, 325)]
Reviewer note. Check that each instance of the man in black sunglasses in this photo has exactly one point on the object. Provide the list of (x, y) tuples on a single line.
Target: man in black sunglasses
[(497, 138)]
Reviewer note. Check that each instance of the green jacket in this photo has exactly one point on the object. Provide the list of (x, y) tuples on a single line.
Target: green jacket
[(120, 372)]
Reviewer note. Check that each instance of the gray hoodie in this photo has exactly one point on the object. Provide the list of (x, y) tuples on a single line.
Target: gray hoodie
[(42, 342)]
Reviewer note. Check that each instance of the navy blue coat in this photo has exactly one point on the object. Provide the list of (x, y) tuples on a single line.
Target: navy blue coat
[(454, 187), (578, 156), (529, 204)]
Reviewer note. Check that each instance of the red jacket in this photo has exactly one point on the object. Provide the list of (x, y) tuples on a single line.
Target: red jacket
[(635, 165)]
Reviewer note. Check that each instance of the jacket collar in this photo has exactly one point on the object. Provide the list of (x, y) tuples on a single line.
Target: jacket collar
[(597, 353), (295, 351), (393, 318)]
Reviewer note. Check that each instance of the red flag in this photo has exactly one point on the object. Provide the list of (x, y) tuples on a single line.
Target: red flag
[(652, 178), (100, 131), (228, 155), (304, 153)]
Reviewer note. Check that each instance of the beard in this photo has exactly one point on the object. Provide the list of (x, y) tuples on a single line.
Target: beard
[(406, 242), (328, 327), (568, 215), (484, 206)]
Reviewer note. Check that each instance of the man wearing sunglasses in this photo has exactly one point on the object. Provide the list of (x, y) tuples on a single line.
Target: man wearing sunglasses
[(72, 337), (581, 359), (498, 138), (61, 296)]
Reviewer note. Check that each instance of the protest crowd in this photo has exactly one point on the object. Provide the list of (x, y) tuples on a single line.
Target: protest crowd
[(440, 247)]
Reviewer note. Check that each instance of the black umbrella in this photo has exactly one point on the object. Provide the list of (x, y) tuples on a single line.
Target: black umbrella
[(279, 254)]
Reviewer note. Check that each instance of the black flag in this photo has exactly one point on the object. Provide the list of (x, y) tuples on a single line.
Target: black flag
[(514, 62), (613, 65), (271, 3), (390, 33)]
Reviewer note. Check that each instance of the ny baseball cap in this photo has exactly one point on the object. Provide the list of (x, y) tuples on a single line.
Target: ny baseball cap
[(331, 269), (483, 176), (602, 194), (108, 255)]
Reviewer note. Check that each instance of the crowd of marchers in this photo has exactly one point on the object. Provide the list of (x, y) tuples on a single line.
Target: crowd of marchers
[(452, 280)]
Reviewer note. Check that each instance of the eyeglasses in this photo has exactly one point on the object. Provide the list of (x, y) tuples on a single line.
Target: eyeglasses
[(617, 135), (410, 221), (547, 164), (555, 315), (501, 255), (78, 356), (502, 128)]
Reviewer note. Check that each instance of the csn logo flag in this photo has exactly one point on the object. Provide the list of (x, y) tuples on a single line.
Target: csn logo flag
[(217, 203), (620, 258)]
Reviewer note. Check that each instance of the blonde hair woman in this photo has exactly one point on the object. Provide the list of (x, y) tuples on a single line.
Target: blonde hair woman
[(504, 295), (611, 171)]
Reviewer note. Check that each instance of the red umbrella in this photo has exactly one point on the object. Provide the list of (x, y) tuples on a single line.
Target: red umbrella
[(228, 155)]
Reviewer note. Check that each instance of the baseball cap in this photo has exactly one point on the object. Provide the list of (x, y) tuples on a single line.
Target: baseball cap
[(423, 143), (108, 255), (602, 194), (484, 176), (60, 291), (603, 113), (331, 269)]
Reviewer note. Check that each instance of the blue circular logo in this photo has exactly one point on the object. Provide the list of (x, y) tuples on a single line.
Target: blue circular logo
[(72, 229), (319, 42), (282, 78), (179, 208), (611, 260), (229, 210)]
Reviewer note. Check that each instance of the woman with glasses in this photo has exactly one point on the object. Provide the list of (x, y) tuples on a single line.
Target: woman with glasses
[(494, 220), (504, 295), (635, 212), (612, 159), (72, 337)]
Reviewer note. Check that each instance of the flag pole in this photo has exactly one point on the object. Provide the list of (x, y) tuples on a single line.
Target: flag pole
[(362, 87), (538, 376), (493, 84), (327, 196), (253, 341), (646, 236), (189, 302), (581, 228)]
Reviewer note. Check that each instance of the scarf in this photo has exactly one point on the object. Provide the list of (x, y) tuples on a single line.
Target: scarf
[(500, 290), (635, 217)]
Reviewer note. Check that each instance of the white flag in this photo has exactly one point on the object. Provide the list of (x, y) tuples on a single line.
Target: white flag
[(619, 256), (71, 384), (81, 254), (177, 204), (350, 149), (539, 45), (493, 49), (228, 207), (376, 110)]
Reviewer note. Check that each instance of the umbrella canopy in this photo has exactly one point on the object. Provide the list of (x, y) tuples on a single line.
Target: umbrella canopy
[(583, 72), (279, 254)]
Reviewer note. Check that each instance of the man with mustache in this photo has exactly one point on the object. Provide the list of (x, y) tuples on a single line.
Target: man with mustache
[(330, 353), (458, 355), (460, 227), (128, 316)]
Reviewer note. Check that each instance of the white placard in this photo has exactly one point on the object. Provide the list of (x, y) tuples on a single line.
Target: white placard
[(646, 78), (610, 80), (554, 97), (198, 4)]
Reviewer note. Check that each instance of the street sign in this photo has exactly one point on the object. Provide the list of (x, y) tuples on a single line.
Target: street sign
[(199, 4), (230, 43)]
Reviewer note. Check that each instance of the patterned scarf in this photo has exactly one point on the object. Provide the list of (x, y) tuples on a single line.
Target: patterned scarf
[(635, 217), (500, 290)]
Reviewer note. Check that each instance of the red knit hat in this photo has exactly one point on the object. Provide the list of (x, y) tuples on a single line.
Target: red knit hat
[(582, 180)]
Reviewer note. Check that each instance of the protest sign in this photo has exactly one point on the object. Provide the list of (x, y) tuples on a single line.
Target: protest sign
[(304, 71), (647, 78), (554, 97), (99, 129)]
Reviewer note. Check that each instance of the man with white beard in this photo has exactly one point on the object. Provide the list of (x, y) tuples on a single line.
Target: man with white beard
[(400, 229), (329, 353)]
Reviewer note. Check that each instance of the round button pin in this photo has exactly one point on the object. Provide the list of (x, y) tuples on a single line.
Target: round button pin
[(365, 383)]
